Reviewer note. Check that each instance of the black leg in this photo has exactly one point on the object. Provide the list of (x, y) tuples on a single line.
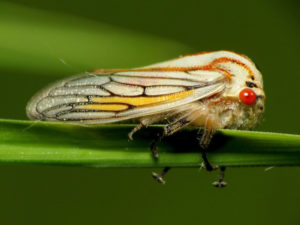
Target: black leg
[(204, 143), (159, 177), (206, 137), (171, 128), (221, 183), (153, 146), (207, 164)]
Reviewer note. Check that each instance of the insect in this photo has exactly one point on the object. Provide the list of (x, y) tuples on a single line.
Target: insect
[(210, 90)]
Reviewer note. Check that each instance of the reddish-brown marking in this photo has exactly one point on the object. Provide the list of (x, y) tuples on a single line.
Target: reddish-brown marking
[(228, 75)]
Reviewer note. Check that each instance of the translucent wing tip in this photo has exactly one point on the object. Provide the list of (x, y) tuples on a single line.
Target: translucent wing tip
[(31, 108)]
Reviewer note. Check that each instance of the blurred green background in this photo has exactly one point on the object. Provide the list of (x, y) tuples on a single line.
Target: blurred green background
[(41, 41)]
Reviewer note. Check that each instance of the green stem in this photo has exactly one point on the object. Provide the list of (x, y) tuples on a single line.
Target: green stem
[(108, 146)]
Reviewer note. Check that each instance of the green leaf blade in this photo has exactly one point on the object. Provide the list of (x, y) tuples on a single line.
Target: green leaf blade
[(31, 142)]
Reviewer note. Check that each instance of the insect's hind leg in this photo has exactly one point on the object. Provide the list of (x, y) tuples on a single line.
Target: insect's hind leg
[(159, 177), (168, 130), (179, 122), (171, 128), (144, 122), (153, 146)]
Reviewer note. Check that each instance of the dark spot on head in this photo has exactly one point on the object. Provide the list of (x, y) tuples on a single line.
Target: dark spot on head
[(251, 84), (252, 78), (261, 108), (259, 97)]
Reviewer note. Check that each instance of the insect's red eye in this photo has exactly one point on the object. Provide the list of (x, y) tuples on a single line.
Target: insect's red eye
[(247, 96)]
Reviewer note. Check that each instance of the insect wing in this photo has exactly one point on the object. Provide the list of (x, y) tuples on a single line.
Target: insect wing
[(110, 97)]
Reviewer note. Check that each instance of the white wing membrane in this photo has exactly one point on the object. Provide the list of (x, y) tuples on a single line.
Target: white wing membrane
[(89, 79), (73, 116), (163, 90), (123, 89), (79, 90), (55, 111), (50, 102)]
